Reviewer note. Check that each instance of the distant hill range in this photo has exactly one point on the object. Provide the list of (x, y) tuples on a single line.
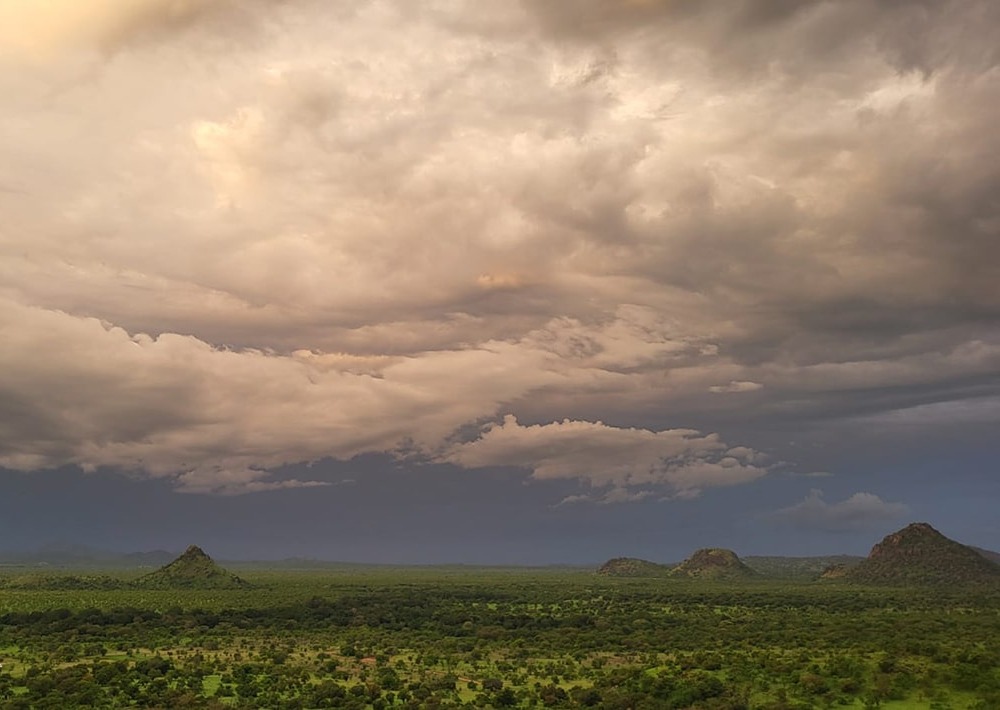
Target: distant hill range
[(792, 568), (920, 555), (710, 563), (917, 555), (713, 563), (192, 570), (81, 557), (800, 568), (77, 558)]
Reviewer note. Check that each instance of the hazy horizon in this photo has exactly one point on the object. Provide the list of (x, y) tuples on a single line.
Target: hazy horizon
[(62, 552)]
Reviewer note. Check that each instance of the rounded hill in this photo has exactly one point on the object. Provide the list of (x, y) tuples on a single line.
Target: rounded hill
[(713, 563), (632, 567)]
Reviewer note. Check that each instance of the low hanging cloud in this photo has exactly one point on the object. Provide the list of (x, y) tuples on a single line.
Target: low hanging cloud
[(622, 463), (860, 511)]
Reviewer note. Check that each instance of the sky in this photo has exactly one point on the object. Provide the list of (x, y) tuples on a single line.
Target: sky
[(540, 281)]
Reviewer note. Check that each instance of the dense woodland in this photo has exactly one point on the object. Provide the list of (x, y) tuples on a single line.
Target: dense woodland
[(500, 638)]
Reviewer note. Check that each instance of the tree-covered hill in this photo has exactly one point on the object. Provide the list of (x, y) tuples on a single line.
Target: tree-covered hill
[(920, 555), (713, 563), (632, 567), (192, 570)]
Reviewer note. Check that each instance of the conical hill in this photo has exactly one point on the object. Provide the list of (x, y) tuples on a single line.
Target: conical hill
[(192, 570), (920, 555)]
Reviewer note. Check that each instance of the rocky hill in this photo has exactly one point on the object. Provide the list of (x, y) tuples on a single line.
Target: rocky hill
[(920, 555), (713, 563), (632, 567), (192, 570)]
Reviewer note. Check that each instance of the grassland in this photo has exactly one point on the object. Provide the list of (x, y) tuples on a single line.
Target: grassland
[(469, 637)]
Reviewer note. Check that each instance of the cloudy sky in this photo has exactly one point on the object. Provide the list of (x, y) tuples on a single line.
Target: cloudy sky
[(536, 281)]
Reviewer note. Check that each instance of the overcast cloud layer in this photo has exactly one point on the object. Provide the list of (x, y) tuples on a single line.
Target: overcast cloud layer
[(638, 246)]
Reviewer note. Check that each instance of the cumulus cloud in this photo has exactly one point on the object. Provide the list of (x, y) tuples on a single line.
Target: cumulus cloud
[(217, 419), (218, 257), (677, 461), (861, 510)]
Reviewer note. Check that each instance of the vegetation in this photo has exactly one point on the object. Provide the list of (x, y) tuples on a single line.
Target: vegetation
[(38, 581), (375, 638), (501, 638), (988, 554)]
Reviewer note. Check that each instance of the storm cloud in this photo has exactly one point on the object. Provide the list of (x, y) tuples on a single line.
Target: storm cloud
[(601, 241)]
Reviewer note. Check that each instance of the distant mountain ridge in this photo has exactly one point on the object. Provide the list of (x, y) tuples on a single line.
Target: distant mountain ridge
[(82, 556)]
